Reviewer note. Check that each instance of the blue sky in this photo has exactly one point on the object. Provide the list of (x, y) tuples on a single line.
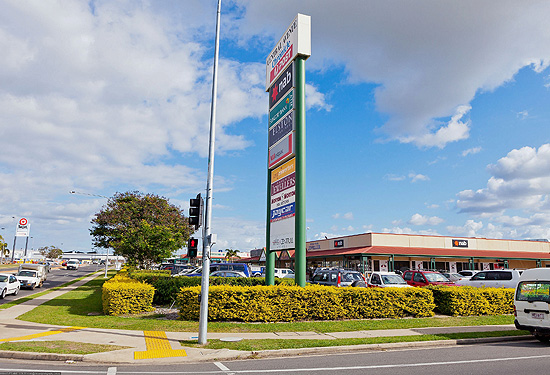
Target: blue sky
[(422, 117)]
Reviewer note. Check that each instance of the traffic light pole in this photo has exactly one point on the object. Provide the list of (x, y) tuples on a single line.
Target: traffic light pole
[(206, 240)]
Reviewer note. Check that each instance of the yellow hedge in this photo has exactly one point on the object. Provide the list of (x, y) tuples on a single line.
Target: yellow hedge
[(464, 300), (122, 295), (314, 302)]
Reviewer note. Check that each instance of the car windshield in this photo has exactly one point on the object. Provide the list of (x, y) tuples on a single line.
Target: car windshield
[(3, 278), (393, 279), (533, 291), (27, 273), (436, 277), (351, 276)]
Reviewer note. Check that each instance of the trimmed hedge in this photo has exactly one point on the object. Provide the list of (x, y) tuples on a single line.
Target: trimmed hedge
[(167, 287), (123, 295), (465, 300), (314, 302)]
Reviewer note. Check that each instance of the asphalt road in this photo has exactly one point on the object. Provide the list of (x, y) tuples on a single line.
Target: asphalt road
[(520, 357), (56, 277)]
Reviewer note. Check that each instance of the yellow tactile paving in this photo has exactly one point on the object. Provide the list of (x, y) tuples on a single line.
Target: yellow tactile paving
[(158, 346), (42, 334)]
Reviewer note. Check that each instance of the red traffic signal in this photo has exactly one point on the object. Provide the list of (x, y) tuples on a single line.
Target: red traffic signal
[(192, 244)]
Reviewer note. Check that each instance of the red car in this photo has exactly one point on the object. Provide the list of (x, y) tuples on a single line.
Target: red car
[(424, 278)]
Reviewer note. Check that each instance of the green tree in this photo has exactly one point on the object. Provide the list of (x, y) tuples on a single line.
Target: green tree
[(230, 254), (50, 252), (4, 251), (145, 229)]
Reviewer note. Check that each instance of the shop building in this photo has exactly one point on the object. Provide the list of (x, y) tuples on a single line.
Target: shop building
[(389, 252)]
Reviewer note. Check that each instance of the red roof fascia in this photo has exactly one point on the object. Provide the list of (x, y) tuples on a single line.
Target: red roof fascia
[(437, 252)]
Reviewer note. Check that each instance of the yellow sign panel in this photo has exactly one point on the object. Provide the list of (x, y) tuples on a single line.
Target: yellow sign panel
[(284, 170)]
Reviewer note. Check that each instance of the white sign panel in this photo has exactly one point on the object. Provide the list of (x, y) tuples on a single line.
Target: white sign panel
[(23, 228), (281, 234), (295, 41)]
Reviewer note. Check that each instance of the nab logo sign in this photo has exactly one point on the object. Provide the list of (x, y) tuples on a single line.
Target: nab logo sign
[(460, 243), (281, 86), (339, 243)]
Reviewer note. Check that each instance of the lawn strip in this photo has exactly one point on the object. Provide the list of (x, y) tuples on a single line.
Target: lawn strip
[(277, 344), (35, 295), (83, 307), (60, 347)]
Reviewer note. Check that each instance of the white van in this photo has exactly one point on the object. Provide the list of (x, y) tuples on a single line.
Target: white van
[(531, 303), (284, 273)]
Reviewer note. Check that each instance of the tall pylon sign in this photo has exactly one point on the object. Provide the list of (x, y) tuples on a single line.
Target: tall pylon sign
[(286, 167)]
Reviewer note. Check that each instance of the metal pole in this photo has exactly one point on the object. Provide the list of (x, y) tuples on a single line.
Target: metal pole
[(13, 251), (106, 261), (206, 245), (300, 260)]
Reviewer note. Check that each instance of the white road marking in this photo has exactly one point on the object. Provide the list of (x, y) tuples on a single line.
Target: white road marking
[(111, 371), (221, 366)]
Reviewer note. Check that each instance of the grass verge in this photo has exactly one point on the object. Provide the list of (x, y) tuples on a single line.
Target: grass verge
[(35, 295), (277, 344), (60, 347), (83, 307)]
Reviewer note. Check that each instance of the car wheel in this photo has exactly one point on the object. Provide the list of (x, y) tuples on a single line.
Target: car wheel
[(32, 286), (39, 284), (542, 338), (16, 291), (3, 294)]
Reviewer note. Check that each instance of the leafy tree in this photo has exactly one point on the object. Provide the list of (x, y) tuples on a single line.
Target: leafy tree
[(50, 252), (230, 254), (145, 229), (4, 251)]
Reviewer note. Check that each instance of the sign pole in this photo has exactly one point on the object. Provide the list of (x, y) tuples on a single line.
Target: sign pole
[(269, 255), (300, 260)]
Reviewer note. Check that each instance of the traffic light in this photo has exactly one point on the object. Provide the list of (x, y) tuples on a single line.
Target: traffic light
[(192, 247), (195, 211)]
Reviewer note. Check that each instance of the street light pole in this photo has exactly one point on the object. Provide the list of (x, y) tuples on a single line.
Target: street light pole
[(207, 233)]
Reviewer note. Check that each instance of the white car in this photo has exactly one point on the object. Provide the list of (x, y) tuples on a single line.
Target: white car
[(73, 264), (386, 280), (493, 279), (466, 274), (8, 285), (284, 273), (531, 303), (29, 279)]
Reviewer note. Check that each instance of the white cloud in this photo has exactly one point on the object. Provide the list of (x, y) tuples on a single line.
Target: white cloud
[(471, 151), (522, 115), (346, 216), (424, 77), (415, 177), (418, 219)]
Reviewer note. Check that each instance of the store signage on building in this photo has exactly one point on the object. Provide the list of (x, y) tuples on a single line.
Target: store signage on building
[(460, 243), (338, 243), (281, 129), (281, 109), (281, 85), (313, 246), (281, 234), (282, 151), (295, 41)]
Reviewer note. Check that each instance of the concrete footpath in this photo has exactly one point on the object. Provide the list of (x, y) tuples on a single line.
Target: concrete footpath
[(146, 347)]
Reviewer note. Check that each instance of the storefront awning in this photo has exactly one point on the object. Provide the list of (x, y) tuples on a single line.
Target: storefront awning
[(430, 252)]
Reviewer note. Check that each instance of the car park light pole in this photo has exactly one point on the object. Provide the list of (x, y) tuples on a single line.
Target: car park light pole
[(208, 238)]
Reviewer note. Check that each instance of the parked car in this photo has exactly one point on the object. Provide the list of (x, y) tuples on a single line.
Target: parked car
[(423, 278), (493, 279), (531, 302), (176, 268), (466, 274), (228, 274), (453, 276), (381, 279), (242, 267), (29, 279), (283, 273), (337, 277), (257, 271), (73, 264), (8, 285)]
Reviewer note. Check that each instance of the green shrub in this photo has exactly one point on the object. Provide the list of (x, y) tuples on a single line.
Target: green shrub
[(314, 302), (464, 300), (123, 295)]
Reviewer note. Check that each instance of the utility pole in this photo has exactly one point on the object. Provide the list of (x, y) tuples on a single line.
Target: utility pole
[(208, 237)]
